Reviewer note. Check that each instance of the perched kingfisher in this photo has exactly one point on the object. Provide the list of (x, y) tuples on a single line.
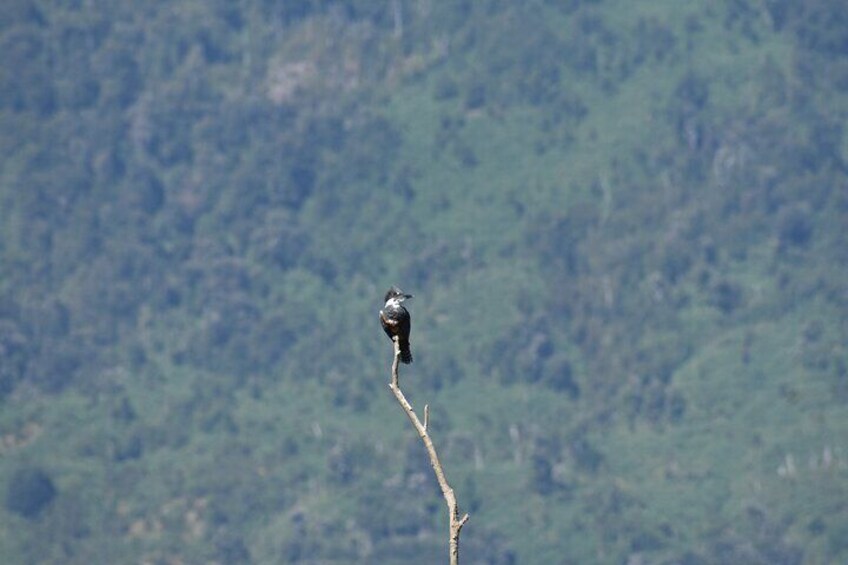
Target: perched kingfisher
[(396, 322)]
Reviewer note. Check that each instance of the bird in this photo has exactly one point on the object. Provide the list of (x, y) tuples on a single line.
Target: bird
[(396, 321)]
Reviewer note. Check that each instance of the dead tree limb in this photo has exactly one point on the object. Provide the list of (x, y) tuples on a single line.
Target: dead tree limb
[(456, 522)]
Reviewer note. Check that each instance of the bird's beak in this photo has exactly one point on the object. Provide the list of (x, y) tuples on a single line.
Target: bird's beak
[(407, 296)]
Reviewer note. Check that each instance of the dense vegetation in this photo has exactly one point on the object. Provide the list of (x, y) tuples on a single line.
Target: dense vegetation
[(624, 224)]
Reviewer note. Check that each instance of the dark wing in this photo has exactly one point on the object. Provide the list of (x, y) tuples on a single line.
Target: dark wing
[(404, 328), (403, 321)]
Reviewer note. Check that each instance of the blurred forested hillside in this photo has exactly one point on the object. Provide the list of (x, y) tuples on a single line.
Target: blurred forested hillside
[(624, 224)]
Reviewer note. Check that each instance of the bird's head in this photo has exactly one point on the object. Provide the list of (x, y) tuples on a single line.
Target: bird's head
[(397, 295)]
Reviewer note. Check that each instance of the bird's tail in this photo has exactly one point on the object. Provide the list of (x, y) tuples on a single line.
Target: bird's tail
[(405, 353)]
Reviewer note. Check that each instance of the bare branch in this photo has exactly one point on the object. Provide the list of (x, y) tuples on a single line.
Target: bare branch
[(456, 522)]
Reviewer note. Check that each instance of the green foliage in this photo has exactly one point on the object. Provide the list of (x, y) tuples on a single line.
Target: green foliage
[(623, 223), (29, 492)]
